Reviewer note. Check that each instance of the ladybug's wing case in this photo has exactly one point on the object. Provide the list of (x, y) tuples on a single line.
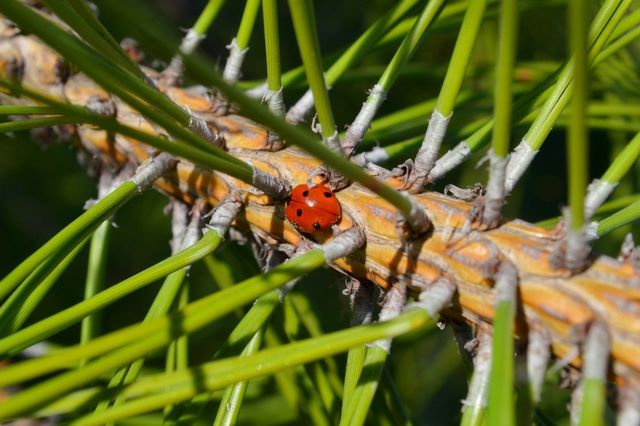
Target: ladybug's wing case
[(326, 201), (295, 212), (312, 209)]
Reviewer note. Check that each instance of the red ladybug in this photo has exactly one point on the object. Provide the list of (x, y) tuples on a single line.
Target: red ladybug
[(312, 209)]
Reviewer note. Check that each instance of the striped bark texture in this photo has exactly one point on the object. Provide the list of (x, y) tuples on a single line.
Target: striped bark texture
[(553, 300)]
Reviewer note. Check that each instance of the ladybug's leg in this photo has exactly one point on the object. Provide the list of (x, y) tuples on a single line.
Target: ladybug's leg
[(324, 175), (317, 177), (336, 230)]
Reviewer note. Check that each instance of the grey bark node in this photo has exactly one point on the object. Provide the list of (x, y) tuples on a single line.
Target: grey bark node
[(190, 42), (198, 126), (231, 73), (275, 101), (595, 355), (628, 405), (394, 302), (417, 219), (286, 289), (494, 199), (575, 405), (578, 249), (361, 297), (192, 233), (333, 142), (506, 283), (188, 45), (258, 91), (478, 393), (538, 355), (449, 161), (224, 213), (597, 192), (596, 352), (151, 170), (470, 193), (298, 112), (377, 155), (627, 248), (344, 244), (106, 182), (591, 231), (630, 254), (270, 185), (522, 156), (436, 129), (179, 212), (361, 124), (110, 181), (290, 285), (435, 297)]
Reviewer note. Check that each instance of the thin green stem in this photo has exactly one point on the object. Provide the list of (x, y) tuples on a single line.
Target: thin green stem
[(233, 397), (507, 40), (72, 234), (304, 25), (609, 207), (360, 402), (27, 110), (247, 23), (195, 316), (313, 325), (549, 95), (272, 44), (623, 162), (368, 40), (411, 42), (24, 300), (460, 56), (578, 141), (627, 215), (239, 46), (501, 404), (208, 15), (223, 299), (36, 123), (395, 31), (96, 276), (215, 375), (593, 404), (224, 162), (78, 16), (44, 328), (602, 26), (163, 301), (378, 92), (182, 345)]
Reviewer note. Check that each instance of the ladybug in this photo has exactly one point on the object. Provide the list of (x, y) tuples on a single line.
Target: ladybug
[(312, 209)]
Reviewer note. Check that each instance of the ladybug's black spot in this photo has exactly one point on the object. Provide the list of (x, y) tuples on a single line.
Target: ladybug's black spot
[(316, 225), (305, 193), (328, 194), (299, 212)]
